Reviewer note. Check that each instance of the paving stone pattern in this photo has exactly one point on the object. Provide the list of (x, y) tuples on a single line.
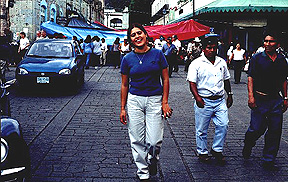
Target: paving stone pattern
[(78, 137)]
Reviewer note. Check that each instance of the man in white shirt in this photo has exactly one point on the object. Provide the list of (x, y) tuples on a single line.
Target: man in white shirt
[(23, 45), (104, 50), (159, 43), (178, 45), (208, 78), (96, 51)]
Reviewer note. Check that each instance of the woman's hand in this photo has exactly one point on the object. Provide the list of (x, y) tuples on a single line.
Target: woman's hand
[(123, 116), (167, 111), (252, 103)]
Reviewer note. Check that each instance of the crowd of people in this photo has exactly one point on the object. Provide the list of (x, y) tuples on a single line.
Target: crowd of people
[(146, 66), (145, 76)]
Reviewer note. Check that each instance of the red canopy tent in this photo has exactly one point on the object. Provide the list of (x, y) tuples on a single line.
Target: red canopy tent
[(184, 30)]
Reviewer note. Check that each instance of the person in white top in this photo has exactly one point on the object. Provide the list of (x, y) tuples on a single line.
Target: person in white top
[(43, 35), (178, 45), (23, 45), (124, 48), (38, 35), (239, 60), (159, 43), (208, 78), (96, 51), (104, 50)]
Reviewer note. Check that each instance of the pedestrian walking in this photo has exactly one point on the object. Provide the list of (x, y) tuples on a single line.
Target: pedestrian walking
[(238, 59), (115, 53), (38, 35), (208, 77), (88, 50), (23, 45), (159, 43), (104, 50), (267, 76), (178, 45), (43, 35), (143, 70), (125, 48), (170, 51), (194, 50), (96, 51)]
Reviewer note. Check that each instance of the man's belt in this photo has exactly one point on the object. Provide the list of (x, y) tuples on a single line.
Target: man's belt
[(266, 96), (214, 97)]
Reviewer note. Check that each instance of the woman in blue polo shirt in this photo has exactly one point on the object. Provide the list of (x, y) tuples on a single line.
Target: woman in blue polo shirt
[(146, 98)]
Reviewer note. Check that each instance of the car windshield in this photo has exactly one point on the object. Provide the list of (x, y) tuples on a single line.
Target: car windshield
[(50, 49)]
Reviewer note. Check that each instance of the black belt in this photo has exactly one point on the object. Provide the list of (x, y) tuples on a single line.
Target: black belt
[(214, 97)]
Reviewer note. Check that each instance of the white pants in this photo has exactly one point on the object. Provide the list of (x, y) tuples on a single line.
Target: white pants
[(145, 127), (103, 57)]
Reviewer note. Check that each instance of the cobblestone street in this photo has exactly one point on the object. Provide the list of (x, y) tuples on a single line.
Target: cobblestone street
[(80, 138)]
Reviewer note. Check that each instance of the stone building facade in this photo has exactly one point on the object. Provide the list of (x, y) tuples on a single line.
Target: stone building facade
[(4, 10), (28, 15)]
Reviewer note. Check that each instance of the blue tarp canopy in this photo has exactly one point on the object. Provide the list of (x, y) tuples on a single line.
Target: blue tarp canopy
[(81, 32)]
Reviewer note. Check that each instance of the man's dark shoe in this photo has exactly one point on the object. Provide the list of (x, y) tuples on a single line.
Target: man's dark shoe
[(246, 152), (153, 167), (220, 159), (204, 158), (270, 166), (147, 180)]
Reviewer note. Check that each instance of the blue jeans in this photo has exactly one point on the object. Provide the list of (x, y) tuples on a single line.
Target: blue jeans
[(146, 128), (218, 112), (88, 55), (267, 116)]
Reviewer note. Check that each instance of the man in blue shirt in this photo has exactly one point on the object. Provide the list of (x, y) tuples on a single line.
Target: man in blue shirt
[(170, 51), (267, 77)]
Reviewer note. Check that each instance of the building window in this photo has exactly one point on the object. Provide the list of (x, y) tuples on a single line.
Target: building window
[(43, 11), (53, 13), (43, 17), (116, 23), (61, 12)]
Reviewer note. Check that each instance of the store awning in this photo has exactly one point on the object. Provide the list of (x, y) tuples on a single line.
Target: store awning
[(184, 30), (239, 6), (81, 32), (219, 6)]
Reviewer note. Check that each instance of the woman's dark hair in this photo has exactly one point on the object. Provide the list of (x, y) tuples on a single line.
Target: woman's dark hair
[(136, 25), (117, 40), (23, 33), (88, 39), (96, 38)]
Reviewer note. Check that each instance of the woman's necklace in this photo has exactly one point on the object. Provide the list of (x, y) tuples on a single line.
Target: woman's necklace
[(140, 60)]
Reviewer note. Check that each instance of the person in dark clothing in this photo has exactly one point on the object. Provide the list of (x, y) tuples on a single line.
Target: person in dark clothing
[(267, 77), (170, 51), (115, 53)]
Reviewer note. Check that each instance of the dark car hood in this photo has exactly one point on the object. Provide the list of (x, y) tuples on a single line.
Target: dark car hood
[(45, 64), (8, 126)]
